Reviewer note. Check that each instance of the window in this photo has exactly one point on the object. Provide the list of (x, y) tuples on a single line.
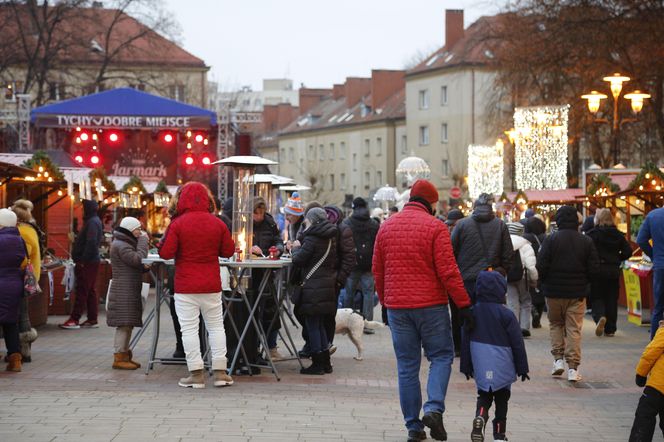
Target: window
[(367, 147), (312, 152), (342, 150), (424, 99), (138, 86), (354, 162), (445, 168), (56, 91), (282, 154), (404, 144), (177, 92), (331, 181), (11, 89), (443, 95), (291, 154), (331, 151), (424, 135), (379, 146), (93, 88), (443, 133), (367, 179), (342, 184), (321, 152), (379, 178)]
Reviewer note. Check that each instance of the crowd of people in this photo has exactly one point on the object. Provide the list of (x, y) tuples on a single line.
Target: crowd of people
[(471, 287)]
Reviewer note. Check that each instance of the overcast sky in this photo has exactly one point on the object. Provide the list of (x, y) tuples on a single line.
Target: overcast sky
[(314, 42)]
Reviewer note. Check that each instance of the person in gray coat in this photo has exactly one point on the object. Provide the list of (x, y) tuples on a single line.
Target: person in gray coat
[(125, 308)]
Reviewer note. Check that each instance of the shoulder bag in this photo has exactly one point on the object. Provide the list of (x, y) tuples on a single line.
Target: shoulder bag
[(30, 283), (298, 288)]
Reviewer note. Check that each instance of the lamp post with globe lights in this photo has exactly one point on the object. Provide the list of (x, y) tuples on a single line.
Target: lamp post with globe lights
[(595, 98)]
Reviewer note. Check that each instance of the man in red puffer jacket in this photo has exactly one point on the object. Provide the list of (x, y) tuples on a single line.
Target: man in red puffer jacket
[(196, 239), (415, 272)]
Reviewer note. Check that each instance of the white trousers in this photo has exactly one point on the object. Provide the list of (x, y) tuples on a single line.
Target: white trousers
[(188, 307)]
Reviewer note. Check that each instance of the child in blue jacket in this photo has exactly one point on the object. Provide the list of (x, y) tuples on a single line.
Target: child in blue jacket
[(493, 353)]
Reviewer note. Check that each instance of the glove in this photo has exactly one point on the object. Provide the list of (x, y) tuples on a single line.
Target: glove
[(468, 376), (641, 380), (467, 318), (524, 377)]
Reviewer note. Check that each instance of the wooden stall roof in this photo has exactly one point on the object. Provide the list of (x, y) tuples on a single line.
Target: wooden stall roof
[(8, 170)]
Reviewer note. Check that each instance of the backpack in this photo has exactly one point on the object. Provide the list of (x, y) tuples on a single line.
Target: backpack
[(364, 239), (516, 271)]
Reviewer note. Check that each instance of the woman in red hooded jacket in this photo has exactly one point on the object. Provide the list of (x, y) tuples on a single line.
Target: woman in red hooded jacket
[(196, 239)]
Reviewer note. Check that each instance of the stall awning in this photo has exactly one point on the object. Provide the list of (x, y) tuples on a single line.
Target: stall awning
[(123, 108), (10, 170), (560, 196)]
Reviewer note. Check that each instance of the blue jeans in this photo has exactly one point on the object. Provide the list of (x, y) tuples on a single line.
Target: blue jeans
[(658, 295), (316, 330), (364, 281), (412, 330)]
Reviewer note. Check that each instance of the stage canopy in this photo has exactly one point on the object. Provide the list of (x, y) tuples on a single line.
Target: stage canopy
[(123, 108)]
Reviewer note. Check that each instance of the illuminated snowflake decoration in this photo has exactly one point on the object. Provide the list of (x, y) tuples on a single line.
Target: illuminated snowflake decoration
[(485, 170), (541, 147)]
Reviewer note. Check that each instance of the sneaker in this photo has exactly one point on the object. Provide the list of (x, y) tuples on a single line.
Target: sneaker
[(477, 435), (573, 375), (599, 330), (434, 420), (222, 379), (275, 355), (196, 379), (499, 438), (525, 333), (609, 335), (90, 324), (558, 367), (333, 348), (70, 324), (416, 435)]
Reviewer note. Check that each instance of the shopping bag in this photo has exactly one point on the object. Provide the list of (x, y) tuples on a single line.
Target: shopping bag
[(108, 293)]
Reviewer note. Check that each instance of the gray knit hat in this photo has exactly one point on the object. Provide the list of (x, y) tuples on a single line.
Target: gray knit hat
[(316, 215)]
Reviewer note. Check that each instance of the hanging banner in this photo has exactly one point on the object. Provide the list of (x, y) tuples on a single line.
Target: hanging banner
[(633, 296), (123, 121)]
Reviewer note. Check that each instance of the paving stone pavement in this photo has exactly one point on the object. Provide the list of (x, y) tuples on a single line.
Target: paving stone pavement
[(70, 393)]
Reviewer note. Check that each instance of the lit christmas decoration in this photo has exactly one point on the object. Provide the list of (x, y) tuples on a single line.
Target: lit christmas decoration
[(541, 147), (485, 170), (410, 169)]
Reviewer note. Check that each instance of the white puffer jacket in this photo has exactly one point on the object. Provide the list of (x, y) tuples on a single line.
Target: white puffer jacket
[(527, 253)]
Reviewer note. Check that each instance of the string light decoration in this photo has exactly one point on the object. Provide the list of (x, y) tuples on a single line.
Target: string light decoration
[(602, 185), (412, 168), (541, 147), (485, 170)]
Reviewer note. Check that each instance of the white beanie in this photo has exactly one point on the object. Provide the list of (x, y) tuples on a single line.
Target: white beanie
[(7, 218), (130, 223)]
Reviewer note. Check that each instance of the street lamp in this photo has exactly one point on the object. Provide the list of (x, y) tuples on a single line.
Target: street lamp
[(595, 98)]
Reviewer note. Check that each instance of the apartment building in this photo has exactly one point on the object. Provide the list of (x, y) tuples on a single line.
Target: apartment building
[(350, 141), (447, 96)]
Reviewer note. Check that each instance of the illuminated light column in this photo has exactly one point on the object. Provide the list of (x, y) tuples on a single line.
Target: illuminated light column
[(485, 170)]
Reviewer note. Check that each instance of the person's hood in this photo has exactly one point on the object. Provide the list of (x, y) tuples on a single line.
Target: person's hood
[(567, 219), (194, 198), (608, 235), (483, 213), (334, 214), (491, 287), (518, 242), (90, 208), (122, 234), (361, 214), (323, 229), (535, 226), (588, 224)]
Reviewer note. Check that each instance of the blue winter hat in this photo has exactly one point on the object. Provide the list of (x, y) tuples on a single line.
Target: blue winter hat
[(491, 286)]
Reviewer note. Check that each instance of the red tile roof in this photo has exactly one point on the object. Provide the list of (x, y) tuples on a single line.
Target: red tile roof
[(131, 42), (550, 196)]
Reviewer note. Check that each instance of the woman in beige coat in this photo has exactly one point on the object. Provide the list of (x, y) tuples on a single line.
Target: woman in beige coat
[(125, 309)]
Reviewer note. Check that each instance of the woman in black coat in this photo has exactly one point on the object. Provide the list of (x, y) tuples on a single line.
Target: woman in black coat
[(316, 259), (613, 249), (535, 232)]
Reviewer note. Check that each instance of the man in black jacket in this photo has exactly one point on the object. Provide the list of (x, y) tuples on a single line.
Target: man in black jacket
[(364, 230), (566, 263), (85, 253)]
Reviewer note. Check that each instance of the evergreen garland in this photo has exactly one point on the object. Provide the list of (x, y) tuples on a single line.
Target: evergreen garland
[(41, 158), (162, 188), (134, 181), (100, 172), (503, 198), (520, 195), (601, 181), (649, 173)]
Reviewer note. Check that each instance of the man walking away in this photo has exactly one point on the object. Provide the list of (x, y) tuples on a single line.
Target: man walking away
[(415, 273), (566, 263), (364, 230), (652, 229)]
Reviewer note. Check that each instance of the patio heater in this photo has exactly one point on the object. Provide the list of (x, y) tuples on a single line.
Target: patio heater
[(267, 187), (386, 195), (243, 200)]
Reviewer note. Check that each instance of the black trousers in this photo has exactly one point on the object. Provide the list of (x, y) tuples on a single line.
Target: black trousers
[(501, 398), (650, 405), (604, 294), (10, 332), (329, 324)]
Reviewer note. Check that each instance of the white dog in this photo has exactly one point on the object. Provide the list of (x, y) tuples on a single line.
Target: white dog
[(352, 324)]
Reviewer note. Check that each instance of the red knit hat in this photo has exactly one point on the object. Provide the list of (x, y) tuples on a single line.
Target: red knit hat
[(425, 190)]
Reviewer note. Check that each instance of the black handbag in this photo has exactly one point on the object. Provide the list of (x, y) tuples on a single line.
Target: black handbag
[(297, 289)]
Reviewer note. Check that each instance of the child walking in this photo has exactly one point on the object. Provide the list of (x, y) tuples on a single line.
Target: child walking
[(650, 374), (493, 353), (125, 309)]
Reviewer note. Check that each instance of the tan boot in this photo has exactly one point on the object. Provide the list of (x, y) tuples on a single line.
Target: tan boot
[(131, 359), (196, 379), (275, 355), (14, 363), (222, 379), (121, 362)]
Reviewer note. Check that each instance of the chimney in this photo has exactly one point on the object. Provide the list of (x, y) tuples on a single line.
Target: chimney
[(384, 84), (356, 88), (338, 91), (270, 118), (311, 97), (453, 27), (286, 115)]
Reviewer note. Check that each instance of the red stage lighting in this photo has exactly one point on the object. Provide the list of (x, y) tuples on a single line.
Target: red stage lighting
[(168, 138), (78, 158), (84, 136), (198, 138), (113, 137), (94, 159), (206, 160), (189, 160), (78, 140)]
